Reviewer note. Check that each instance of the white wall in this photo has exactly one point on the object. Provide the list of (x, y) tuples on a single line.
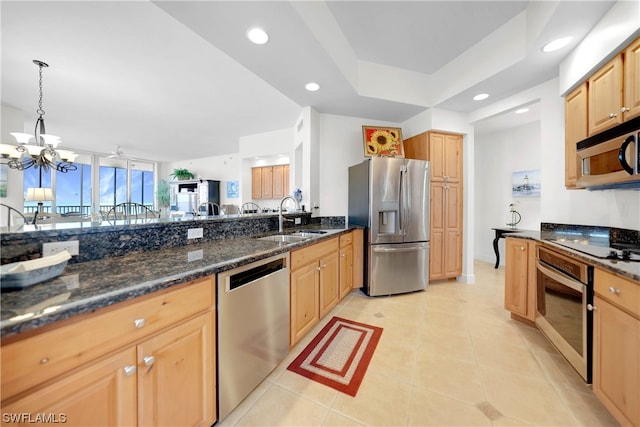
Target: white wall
[(497, 155)]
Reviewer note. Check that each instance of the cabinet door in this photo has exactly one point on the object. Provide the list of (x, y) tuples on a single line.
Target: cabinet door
[(358, 258), (605, 96), (176, 375), (516, 276), (101, 394), (575, 129), (437, 232), (329, 282), (445, 152), (267, 182), (305, 303), (417, 147), (632, 80), (278, 181), (346, 270), (453, 230), (256, 183), (616, 367), (286, 190)]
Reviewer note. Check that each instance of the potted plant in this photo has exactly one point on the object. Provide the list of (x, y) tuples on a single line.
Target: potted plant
[(164, 198), (182, 174)]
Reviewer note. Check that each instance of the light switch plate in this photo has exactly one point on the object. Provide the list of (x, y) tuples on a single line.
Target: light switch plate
[(52, 248), (298, 221), (194, 233), (195, 255)]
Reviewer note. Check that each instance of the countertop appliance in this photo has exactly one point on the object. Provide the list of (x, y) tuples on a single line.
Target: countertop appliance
[(564, 297), (614, 251), (611, 159), (390, 197), (253, 327)]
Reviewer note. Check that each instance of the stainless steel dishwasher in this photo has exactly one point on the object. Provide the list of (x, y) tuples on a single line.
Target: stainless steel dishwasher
[(253, 327)]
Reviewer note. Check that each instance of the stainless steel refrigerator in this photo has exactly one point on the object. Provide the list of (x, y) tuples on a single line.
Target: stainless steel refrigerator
[(390, 197)]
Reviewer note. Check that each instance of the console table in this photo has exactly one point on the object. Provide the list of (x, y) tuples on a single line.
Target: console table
[(500, 232)]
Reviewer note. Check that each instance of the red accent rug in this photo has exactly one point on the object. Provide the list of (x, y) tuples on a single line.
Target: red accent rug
[(339, 355)]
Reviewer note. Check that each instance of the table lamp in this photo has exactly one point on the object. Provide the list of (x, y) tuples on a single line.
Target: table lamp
[(39, 195)]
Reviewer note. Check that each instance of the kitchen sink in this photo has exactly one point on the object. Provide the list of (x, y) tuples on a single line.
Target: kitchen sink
[(284, 238), (307, 233)]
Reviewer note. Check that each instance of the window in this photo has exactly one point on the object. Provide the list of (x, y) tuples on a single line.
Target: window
[(73, 191), (34, 178), (113, 182)]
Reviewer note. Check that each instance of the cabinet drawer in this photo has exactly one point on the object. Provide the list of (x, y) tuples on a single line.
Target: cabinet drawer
[(40, 357), (306, 255), (617, 290), (346, 239)]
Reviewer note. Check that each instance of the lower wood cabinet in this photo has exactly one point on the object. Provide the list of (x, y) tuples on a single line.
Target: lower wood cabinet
[(152, 362), (616, 346), (520, 279), (445, 254), (346, 264)]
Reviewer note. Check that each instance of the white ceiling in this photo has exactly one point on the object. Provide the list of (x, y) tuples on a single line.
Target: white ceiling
[(175, 80)]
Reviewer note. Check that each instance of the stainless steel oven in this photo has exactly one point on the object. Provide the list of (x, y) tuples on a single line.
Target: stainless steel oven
[(564, 294)]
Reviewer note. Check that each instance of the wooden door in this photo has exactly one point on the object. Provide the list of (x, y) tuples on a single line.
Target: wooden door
[(305, 300), (632, 80), (575, 129), (417, 147), (176, 375), (453, 158), (516, 276), (256, 183), (616, 369), (436, 155), (286, 190), (453, 230), (437, 238), (358, 258), (346, 270), (329, 282), (605, 96), (103, 393), (278, 181), (267, 182)]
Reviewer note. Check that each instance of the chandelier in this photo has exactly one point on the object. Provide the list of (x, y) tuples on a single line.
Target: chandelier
[(43, 152)]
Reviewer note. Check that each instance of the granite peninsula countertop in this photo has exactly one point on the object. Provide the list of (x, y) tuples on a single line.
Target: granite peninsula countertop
[(87, 286), (628, 269)]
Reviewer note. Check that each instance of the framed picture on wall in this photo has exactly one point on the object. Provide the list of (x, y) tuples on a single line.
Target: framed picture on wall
[(233, 189), (526, 183), (382, 141)]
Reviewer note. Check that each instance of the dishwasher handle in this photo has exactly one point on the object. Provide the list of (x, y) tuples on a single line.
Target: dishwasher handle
[(246, 277)]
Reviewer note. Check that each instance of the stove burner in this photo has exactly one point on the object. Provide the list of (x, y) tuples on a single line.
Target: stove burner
[(611, 253), (624, 255)]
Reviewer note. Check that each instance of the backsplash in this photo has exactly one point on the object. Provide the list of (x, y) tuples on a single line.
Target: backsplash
[(118, 240), (602, 235)]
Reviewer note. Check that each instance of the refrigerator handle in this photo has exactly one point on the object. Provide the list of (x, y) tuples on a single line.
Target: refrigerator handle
[(401, 217)]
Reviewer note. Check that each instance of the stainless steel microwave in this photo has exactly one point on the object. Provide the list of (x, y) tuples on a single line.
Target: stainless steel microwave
[(610, 163)]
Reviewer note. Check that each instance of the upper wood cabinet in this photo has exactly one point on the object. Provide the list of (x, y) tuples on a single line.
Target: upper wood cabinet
[(417, 147), (445, 154), (269, 182), (575, 126), (614, 95)]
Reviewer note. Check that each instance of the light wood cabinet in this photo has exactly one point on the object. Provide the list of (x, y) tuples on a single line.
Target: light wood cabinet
[(616, 346), (445, 255), (520, 279), (269, 182), (417, 147), (575, 125), (148, 361), (315, 282), (346, 264), (445, 154), (632, 80)]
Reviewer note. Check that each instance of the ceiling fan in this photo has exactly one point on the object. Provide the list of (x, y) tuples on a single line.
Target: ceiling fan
[(119, 154)]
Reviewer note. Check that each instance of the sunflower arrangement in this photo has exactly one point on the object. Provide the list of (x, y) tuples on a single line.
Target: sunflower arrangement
[(382, 141)]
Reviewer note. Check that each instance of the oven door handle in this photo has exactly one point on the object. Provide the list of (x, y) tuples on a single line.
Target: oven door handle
[(560, 278)]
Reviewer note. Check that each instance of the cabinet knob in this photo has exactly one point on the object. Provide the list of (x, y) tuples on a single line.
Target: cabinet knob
[(612, 115), (139, 323), (148, 360), (624, 109), (323, 265), (318, 268), (614, 290), (129, 370), (522, 248), (343, 255), (44, 360), (591, 307)]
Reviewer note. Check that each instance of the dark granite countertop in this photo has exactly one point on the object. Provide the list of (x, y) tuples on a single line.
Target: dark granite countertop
[(87, 286), (628, 269)]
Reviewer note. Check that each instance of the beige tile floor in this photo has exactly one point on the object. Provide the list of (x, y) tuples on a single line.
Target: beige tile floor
[(449, 356)]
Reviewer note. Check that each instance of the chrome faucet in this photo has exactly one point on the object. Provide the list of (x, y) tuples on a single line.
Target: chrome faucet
[(280, 218)]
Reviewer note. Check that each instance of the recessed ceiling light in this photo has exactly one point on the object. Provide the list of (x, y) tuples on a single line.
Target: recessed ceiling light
[(312, 86), (521, 110), (556, 44), (481, 96), (257, 35)]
